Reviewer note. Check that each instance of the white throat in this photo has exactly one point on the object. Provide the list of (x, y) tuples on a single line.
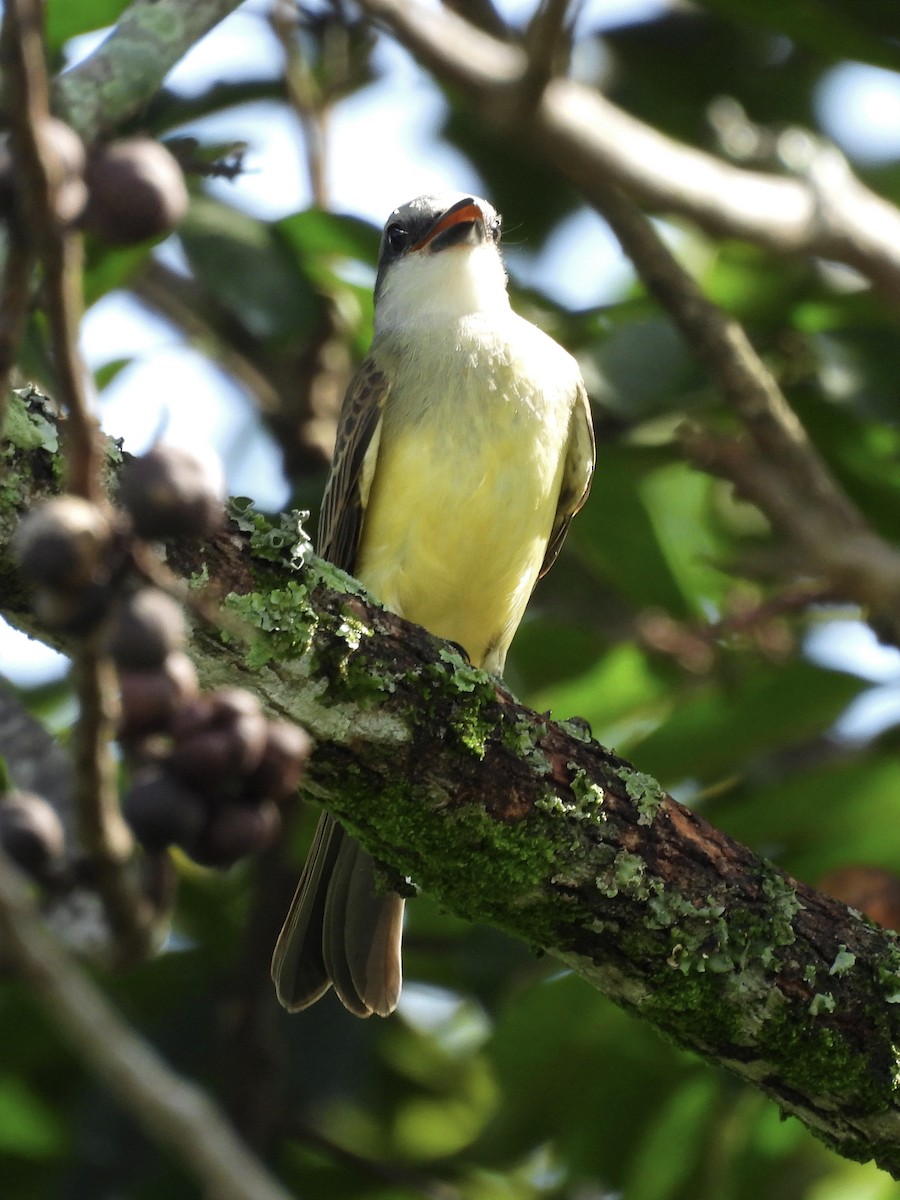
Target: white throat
[(424, 288)]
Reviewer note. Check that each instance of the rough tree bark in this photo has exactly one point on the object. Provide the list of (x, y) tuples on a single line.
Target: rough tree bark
[(526, 823)]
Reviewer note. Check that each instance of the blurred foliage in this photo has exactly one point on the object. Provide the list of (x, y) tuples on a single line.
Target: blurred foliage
[(503, 1077)]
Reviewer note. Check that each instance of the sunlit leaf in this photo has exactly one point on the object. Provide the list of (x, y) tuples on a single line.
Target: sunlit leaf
[(66, 19)]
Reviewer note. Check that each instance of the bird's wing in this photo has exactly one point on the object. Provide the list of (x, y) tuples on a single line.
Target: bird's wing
[(346, 493), (577, 473)]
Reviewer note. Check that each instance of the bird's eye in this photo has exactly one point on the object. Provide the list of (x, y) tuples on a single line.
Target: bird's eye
[(494, 230), (396, 237)]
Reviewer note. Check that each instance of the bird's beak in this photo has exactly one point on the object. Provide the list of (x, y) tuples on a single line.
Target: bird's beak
[(464, 222)]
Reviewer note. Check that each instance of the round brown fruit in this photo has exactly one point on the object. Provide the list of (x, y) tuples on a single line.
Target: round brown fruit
[(64, 544), (170, 492), (146, 627), (281, 767), (163, 811), (150, 700), (136, 191), (62, 153), (31, 832), (219, 739), (235, 830)]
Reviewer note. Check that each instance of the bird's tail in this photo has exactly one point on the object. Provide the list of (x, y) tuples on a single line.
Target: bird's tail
[(340, 930)]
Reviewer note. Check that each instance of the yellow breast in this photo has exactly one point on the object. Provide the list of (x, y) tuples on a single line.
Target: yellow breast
[(465, 486)]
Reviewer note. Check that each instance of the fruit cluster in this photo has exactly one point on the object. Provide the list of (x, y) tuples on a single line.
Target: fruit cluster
[(124, 192), (207, 769)]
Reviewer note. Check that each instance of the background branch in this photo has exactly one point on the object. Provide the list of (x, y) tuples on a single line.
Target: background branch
[(167, 1106), (115, 82), (592, 142), (780, 471)]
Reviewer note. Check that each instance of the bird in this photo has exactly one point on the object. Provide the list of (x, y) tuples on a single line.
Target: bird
[(464, 448)]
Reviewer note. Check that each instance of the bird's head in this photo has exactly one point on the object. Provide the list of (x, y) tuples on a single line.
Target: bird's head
[(439, 257)]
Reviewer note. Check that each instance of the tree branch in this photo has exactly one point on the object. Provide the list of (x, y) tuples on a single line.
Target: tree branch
[(592, 142), (521, 822), (115, 82), (171, 1108)]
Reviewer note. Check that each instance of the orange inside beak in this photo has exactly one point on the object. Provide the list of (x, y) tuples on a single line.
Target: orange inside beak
[(469, 212)]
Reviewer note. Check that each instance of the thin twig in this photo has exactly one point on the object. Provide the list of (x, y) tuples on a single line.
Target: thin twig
[(723, 348), (793, 600), (59, 248), (102, 831), (548, 41), (305, 99), (854, 565), (104, 835), (17, 270), (779, 468), (170, 1108)]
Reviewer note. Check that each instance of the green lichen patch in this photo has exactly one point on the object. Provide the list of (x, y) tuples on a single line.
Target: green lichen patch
[(518, 737), (784, 905), (843, 961), (320, 573), (644, 792), (24, 426), (466, 677), (578, 729), (626, 875), (281, 538), (822, 1002), (283, 621), (589, 796), (889, 978), (200, 579)]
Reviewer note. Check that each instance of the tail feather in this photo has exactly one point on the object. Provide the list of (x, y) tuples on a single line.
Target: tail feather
[(340, 930)]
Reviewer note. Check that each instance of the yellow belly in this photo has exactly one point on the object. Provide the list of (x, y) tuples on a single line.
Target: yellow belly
[(457, 523)]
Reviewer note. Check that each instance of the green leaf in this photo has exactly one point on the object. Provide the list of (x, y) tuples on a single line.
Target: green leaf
[(672, 1145), (242, 262), (834, 814), (28, 1126), (617, 695), (650, 526), (645, 368), (831, 28), (108, 268), (316, 234), (104, 376), (721, 729), (68, 18)]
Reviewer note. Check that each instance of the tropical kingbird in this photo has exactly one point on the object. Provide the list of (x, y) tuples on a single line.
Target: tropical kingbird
[(464, 449)]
